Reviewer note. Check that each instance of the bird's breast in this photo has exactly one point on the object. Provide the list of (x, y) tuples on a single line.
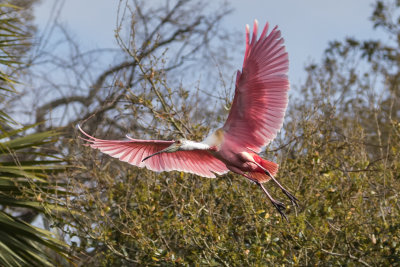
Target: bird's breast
[(241, 160)]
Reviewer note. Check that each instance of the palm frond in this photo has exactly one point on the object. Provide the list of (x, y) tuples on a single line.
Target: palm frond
[(22, 244), (25, 173)]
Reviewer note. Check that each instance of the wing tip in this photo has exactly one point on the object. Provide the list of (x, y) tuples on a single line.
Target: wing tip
[(255, 30), (255, 23), (91, 138), (130, 138)]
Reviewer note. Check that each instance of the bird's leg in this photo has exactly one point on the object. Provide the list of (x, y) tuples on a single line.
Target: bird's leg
[(292, 198), (278, 205)]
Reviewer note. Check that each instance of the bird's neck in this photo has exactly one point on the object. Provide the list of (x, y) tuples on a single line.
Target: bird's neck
[(192, 145)]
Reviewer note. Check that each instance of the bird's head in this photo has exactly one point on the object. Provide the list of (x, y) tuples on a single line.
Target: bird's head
[(176, 146)]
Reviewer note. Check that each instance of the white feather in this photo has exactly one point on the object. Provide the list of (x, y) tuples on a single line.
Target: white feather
[(191, 145)]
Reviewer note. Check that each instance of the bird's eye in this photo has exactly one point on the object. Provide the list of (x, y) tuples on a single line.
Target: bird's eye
[(179, 142)]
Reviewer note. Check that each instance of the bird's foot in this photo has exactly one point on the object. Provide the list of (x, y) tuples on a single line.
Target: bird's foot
[(291, 197), (280, 207)]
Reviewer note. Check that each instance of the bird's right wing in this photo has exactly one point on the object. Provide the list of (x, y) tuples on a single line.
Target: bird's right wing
[(261, 97), (133, 151)]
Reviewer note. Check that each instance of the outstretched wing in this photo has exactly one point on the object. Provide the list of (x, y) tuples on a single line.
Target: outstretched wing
[(133, 151), (261, 93)]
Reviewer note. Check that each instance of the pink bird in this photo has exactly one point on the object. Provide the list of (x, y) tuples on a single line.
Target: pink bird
[(256, 116)]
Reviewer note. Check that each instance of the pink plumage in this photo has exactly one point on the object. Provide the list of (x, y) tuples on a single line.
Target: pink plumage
[(261, 94), (256, 116), (133, 151)]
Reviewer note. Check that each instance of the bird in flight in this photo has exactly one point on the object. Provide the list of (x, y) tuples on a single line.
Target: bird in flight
[(255, 117)]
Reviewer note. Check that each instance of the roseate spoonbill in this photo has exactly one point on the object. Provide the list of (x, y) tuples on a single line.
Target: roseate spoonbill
[(256, 115)]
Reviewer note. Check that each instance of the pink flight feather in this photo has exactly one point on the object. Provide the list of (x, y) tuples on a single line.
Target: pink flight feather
[(261, 94), (133, 151)]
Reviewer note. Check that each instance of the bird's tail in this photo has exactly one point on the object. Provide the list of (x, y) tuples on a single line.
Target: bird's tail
[(272, 167), (261, 176)]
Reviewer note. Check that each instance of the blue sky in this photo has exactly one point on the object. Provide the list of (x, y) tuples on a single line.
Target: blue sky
[(307, 26)]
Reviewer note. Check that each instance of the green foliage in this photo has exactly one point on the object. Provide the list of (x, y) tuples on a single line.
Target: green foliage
[(348, 215)]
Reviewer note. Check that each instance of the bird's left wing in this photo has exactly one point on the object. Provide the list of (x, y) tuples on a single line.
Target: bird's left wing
[(261, 97), (133, 151)]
